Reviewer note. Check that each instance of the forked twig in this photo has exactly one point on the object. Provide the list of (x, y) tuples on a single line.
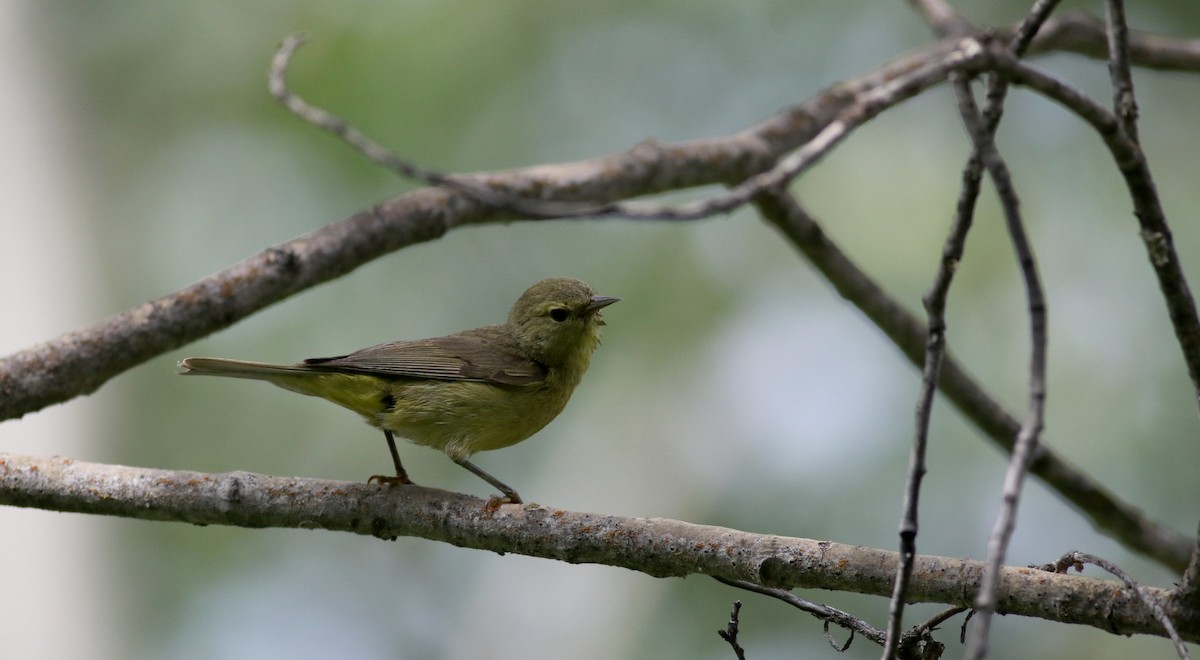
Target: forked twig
[(730, 633), (1031, 427), (1076, 560), (824, 612), (942, 18)]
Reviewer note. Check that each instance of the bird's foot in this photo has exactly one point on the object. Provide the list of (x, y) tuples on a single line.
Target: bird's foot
[(494, 502), (398, 480)]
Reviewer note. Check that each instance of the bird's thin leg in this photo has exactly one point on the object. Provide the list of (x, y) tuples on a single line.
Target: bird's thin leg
[(401, 476), (509, 493)]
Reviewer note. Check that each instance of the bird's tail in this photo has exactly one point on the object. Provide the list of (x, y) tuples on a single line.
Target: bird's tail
[(364, 394), (237, 368)]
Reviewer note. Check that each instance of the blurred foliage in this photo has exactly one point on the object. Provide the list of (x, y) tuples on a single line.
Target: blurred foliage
[(733, 386)]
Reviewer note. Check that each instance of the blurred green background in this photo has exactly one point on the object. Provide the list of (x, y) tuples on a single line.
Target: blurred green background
[(733, 387)]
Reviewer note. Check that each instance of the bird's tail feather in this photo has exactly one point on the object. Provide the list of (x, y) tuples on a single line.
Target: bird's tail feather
[(237, 368)]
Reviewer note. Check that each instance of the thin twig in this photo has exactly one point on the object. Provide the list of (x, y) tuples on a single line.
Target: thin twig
[(730, 633), (918, 641), (1126, 110), (840, 648), (1147, 208), (380, 155), (941, 617), (823, 612), (1189, 587), (327, 121), (866, 106), (1119, 519), (942, 18), (1124, 102), (1076, 560), (935, 299), (935, 306), (1031, 427), (1074, 31), (1031, 25), (1082, 33)]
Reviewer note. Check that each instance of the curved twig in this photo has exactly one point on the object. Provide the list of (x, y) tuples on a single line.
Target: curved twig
[(1076, 560), (944, 20), (823, 612), (1155, 233), (1031, 428)]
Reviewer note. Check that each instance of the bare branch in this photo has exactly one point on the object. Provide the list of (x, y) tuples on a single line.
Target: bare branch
[(655, 546), (1189, 586), (1156, 235), (1072, 31), (1077, 559), (964, 55), (942, 19), (730, 633), (940, 618), (1031, 427), (823, 612), (1082, 33), (1119, 519), (935, 307), (496, 198), (1124, 102), (79, 362), (1034, 19), (327, 121)]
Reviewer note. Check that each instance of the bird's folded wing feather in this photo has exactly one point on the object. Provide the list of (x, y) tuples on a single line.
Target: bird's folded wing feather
[(456, 357)]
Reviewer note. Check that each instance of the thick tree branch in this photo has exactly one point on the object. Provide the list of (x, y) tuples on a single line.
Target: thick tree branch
[(81, 361), (658, 547)]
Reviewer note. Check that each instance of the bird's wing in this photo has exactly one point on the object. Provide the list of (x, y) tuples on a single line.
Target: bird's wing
[(456, 357)]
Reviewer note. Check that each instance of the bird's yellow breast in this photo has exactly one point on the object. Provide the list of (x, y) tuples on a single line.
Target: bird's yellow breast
[(464, 417)]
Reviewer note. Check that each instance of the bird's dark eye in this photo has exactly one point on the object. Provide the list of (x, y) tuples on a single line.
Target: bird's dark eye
[(559, 314)]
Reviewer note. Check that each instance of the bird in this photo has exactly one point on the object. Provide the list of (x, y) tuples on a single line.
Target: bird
[(471, 391)]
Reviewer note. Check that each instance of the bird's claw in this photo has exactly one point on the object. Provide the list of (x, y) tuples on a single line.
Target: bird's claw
[(494, 502), (398, 480)]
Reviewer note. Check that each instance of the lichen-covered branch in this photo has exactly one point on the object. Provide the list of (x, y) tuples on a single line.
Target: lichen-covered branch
[(659, 547)]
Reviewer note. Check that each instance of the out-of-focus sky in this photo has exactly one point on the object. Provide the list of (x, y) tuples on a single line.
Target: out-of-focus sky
[(733, 387)]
